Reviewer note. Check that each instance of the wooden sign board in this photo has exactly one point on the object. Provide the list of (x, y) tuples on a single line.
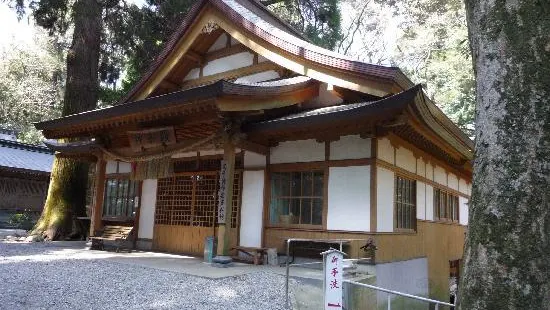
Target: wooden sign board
[(150, 138), (222, 193), (332, 267)]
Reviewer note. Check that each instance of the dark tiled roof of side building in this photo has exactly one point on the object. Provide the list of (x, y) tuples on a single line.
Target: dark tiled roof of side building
[(22, 156)]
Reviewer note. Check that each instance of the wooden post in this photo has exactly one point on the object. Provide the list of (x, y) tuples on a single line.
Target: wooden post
[(97, 210), (226, 202)]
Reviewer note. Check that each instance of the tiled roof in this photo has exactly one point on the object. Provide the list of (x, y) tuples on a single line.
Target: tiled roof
[(25, 156), (270, 28)]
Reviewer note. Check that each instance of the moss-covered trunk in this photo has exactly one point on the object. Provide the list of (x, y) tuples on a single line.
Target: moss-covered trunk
[(67, 191), (507, 254)]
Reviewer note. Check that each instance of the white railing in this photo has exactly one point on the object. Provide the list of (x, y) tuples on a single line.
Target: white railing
[(390, 293)]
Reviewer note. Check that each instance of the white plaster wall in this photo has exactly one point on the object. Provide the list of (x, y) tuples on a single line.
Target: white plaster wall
[(184, 155), (123, 167), (252, 160), (463, 210), (297, 151), (429, 203), (405, 159), (110, 167), (326, 97), (452, 181), (429, 172), (350, 147), (147, 208), (385, 150), (420, 167), (410, 276), (462, 186), (252, 208), (220, 43), (228, 63), (212, 152), (384, 196), (440, 175), (349, 198), (421, 200), (258, 77), (193, 74)]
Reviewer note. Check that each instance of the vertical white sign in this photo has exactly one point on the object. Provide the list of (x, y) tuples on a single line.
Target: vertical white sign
[(222, 193), (333, 262)]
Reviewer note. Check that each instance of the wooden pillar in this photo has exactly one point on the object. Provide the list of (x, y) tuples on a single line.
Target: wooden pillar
[(97, 209), (227, 200)]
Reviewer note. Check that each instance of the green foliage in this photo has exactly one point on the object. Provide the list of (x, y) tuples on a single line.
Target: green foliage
[(23, 220), (318, 20), (31, 79), (427, 39)]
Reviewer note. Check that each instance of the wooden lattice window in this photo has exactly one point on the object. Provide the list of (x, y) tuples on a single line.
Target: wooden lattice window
[(405, 203), (445, 206), (192, 200), (297, 198), (121, 198)]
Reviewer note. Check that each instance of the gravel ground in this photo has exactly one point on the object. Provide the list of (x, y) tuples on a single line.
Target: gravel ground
[(39, 276)]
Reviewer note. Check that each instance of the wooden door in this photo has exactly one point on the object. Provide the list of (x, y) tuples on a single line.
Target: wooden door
[(186, 212)]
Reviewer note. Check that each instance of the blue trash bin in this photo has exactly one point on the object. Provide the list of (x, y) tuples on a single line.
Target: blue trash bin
[(209, 248)]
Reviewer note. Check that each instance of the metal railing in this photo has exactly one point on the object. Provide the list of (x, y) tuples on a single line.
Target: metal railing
[(341, 241), (390, 293)]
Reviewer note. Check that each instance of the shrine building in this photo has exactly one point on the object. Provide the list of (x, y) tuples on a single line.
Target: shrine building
[(243, 130)]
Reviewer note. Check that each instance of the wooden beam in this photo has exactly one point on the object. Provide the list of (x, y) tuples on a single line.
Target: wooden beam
[(97, 210), (253, 147), (231, 74), (198, 58)]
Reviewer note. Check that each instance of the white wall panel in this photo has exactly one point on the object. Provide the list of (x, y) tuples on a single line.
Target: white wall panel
[(421, 200), (350, 147), (147, 208), (452, 181), (429, 172), (385, 192), (462, 186), (123, 167), (385, 150), (252, 209), (193, 74), (220, 43), (297, 151), (405, 159), (440, 175), (463, 210), (420, 167), (258, 77), (349, 198), (228, 63), (429, 203), (252, 160)]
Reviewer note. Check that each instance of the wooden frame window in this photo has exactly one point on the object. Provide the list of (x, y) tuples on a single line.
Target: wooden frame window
[(121, 198), (405, 203), (445, 206), (297, 198)]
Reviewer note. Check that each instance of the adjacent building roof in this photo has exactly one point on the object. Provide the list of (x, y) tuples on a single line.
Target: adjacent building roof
[(24, 157)]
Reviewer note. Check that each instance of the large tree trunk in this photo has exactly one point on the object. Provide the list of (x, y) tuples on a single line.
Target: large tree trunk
[(67, 192), (507, 254)]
